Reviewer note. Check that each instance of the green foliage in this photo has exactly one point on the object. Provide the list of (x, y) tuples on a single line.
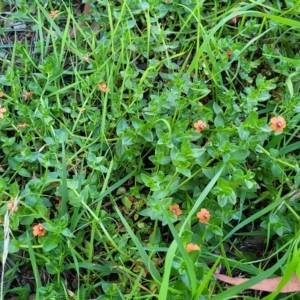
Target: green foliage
[(135, 131)]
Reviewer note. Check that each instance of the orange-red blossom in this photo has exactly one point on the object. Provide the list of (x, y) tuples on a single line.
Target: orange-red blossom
[(200, 125), (10, 206), (39, 230), (191, 247), (2, 110), (277, 124), (176, 210), (203, 215)]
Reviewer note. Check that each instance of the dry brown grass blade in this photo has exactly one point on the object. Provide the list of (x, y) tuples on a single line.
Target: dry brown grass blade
[(267, 285)]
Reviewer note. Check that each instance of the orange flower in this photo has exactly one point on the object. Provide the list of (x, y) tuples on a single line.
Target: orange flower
[(278, 124), (176, 210), (191, 247), (10, 206), (234, 20), (22, 125), (229, 53), (203, 215), (200, 125), (54, 13), (27, 95), (103, 87), (39, 230), (85, 58), (2, 110), (1, 94)]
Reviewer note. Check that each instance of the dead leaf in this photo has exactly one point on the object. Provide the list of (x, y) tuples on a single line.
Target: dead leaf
[(234, 20), (86, 11), (267, 285)]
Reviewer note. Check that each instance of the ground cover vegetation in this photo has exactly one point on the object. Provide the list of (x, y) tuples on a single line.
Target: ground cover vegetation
[(148, 146)]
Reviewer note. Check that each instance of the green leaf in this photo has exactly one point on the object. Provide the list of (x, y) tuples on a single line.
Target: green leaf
[(128, 138), (150, 182), (259, 80), (126, 202), (249, 184), (278, 228), (186, 147), (63, 222), (13, 246), (157, 238), (222, 200), (14, 189), (197, 152), (122, 125), (210, 172), (297, 179), (27, 220), (14, 164), (49, 227), (276, 169), (91, 157), (49, 140), (148, 136), (217, 108), (31, 200), (161, 193), (66, 232), (243, 134), (219, 121), (23, 172), (217, 230), (185, 171), (222, 183), (41, 211), (62, 135), (75, 201), (144, 5), (160, 158), (3, 185), (50, 244), (239, 156)]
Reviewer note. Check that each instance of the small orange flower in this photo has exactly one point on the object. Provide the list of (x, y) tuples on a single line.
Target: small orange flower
[(229, 53), (234, 20), (54, 13), (39, 230), (27, 95), (1, 94), (22, 125), (200, 125), (176, 210), (10, 206), (103, 87), (191, 247), (2, 110), (86, 57), (277, 124), (203, 215)]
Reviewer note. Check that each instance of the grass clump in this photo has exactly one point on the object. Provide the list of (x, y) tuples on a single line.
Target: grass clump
[(146, 146)]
